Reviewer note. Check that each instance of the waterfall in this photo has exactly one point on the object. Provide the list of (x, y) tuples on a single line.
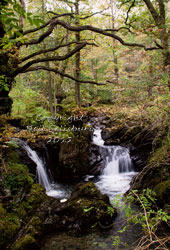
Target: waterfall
[(41, 171), (114, 179), (118, 171), (119, 162), (52, 189)]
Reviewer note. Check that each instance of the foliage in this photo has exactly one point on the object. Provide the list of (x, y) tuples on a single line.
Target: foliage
[(10, 15), (28, 104), (3, 83), (150, 217), (18, 179)]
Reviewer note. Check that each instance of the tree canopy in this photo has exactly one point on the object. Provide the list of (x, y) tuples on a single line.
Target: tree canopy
[(45, 41)]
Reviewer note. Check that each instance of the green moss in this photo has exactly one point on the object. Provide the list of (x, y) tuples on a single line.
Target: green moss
[(17, 178), (162, 154), (162, 189), (87, 190), (37, 194), (25, 242), (9, 224), (88, 207), (12, 155), (25, 199), (2, 210)]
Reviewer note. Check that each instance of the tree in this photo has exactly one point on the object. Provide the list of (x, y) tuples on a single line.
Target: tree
[(77, 59), (14, 37), (115, 60), (156, 25)]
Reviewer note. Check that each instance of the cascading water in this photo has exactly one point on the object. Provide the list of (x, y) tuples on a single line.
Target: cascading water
[(118, 171), (115, 178), (41, 171), (52, 189)]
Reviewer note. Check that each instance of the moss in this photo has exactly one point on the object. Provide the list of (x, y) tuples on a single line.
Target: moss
[(2, 210), (37, 194), (87, 213), (12, 155), (162, 153), (17, 178), (33, 200), (88, 190), (85, 208), (162, 191), (26, 242), (24, 199), (9, 224)]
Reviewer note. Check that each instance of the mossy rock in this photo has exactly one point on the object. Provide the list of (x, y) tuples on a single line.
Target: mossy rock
[(9, 224), (87, 208), (19, 213), (89, 191), (27, 242), (17, 179), (162, 191), (34, 198), (74, 159), (2, 210)]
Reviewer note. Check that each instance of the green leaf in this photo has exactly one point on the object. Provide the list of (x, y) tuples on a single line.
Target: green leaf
[(123, 230), (87, 209)]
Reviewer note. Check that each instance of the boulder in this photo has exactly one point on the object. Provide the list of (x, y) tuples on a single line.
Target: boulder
[(86, 208)]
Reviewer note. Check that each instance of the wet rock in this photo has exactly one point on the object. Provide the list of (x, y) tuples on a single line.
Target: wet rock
[(95, 160), (99, 120), (108, 134), (74, 159), (111, 142), (86, 208)]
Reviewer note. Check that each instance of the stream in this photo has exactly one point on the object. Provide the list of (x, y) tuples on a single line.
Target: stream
[(118, 172), (114, 180)]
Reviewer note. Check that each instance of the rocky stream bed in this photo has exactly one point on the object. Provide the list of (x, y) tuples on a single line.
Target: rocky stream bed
[(87, 219)]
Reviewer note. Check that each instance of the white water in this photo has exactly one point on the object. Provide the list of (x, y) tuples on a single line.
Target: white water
[(118, 171), (52, 189), (115, 178)]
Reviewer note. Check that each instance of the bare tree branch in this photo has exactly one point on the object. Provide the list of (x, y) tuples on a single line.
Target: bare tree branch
[(38, 28), (93, 14), (61, 15), (157, 44), (125, 3), (117, 30), (56, 21), (43, 36), (37, 53), (103, 32), (60, 73), (131, 6), (47, 23), (55, 58)]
